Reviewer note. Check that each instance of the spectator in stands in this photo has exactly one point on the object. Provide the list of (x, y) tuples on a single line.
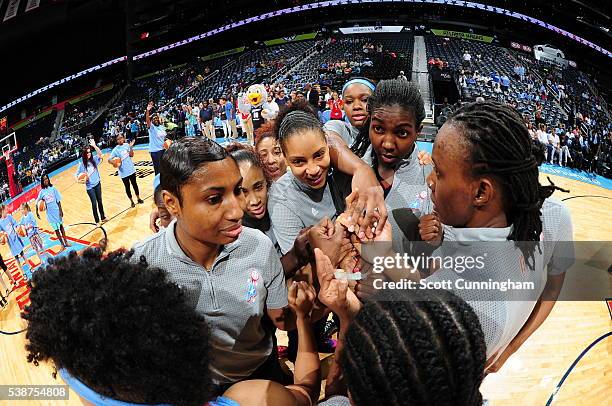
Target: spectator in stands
[(553, 147), (312, 95), (538, 116), (505, 83), (532, 132), (467, 59), (335, 105), (564, 152), (281, 98), (401, 76), (495, 77), (274, 107)]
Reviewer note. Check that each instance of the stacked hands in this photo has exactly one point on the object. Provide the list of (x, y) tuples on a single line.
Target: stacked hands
[(340, 242), (337, 247)]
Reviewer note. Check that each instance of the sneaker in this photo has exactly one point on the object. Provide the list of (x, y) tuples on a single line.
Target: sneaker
[(132, 205), (104, 220), (140, 201)]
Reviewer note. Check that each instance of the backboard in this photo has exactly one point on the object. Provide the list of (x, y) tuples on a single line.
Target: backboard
[(8, 145)]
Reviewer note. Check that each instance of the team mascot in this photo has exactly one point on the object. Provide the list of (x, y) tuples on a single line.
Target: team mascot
[(257, 98)]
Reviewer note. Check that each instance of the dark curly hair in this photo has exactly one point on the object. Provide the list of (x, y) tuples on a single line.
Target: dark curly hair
[(421, 348), (119, 327), (264, 131)]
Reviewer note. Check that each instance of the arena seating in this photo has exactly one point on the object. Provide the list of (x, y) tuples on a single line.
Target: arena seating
[(488, 59)]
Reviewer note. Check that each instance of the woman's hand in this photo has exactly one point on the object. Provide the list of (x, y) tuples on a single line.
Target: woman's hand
[(335, 293), (424, 158), (327, 236), (301, 298), (430, 229), (366, 199)]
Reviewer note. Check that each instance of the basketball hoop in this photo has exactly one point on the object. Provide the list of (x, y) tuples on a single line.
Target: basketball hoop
[(6, 155)]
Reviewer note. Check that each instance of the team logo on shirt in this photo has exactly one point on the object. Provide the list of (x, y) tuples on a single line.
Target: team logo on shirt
[(252, 286), (418, 203), (315, 212)]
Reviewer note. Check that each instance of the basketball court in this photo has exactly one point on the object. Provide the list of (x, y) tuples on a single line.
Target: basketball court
[(529, 377)]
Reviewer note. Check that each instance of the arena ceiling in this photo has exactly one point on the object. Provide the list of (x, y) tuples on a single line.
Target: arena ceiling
[(60, 37)]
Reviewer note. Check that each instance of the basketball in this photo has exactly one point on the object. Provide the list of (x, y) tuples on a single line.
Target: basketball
[(167, 143), (82, 177), (3, 238), (116, 162), (21, 230), (41, 205)]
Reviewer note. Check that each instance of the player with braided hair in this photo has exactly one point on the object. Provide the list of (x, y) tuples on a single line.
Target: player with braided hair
[(388, 144), (485, 187), (501, 169), (310, 192), (414, 350), (408, 348)]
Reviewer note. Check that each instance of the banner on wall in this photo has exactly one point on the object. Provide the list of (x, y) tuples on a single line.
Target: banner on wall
[(462, 35), (222, 54), (293, 38), (372, 29)]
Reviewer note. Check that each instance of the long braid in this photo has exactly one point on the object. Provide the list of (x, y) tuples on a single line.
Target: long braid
[(421, 347), (501, 146), (391, 92)]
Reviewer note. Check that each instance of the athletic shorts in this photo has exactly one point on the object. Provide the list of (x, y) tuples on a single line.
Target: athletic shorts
[(56, 226)]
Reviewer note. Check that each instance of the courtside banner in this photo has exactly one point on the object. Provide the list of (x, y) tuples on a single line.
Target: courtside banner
[(372, 29), (463, 35)]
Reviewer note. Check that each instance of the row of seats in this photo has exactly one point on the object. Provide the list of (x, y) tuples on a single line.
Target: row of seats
[(486, 59)]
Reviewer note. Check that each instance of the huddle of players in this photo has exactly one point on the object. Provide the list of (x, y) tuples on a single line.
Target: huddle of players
[(202, 329)]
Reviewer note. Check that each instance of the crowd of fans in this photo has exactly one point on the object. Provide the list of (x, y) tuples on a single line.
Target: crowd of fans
[(580, 139), (583, 137)]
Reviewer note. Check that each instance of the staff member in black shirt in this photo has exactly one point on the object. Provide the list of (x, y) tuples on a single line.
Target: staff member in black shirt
[(206, 120)]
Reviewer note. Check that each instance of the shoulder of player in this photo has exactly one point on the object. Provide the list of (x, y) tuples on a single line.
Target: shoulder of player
[(336, 126), (150, 244), (554, 207), (282, 187)]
